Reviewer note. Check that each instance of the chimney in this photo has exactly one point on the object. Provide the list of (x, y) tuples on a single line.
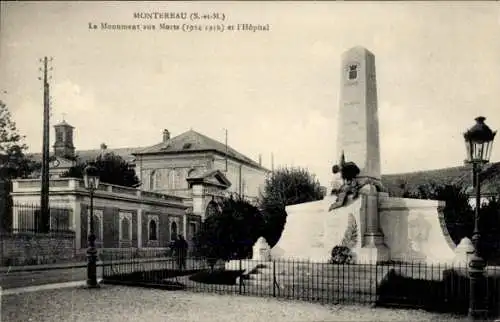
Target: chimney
[(166, 135), (260, 159)]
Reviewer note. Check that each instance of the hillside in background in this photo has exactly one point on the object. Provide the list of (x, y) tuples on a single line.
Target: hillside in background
[(461, 176)]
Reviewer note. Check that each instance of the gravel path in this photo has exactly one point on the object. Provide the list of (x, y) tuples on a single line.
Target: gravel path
[(121, 304)]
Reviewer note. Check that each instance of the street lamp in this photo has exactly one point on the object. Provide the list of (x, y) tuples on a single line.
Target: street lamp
[(478, 143), (91, 180)]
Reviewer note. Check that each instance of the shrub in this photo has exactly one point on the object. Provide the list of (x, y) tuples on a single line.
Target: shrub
[(230, 233), (216, 277), (341, 255)]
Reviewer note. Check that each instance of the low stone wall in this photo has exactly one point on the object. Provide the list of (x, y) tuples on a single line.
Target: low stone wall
[(33, 249)]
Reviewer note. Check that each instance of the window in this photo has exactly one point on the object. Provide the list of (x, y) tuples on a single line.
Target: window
[(59, 136), (212, 209), (171, 179), (173, 230), (243, 187), (353, 72), (192, 229), (186, 146), (60, 219), (125, 226), (153, 228), (152, 180), (98, 225), (191, 172)]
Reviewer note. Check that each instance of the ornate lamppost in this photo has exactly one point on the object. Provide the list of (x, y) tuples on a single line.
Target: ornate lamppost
[(91, 180), (478, 142)]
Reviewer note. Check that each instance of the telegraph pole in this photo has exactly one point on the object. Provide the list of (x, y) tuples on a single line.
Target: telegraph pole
[(44, 218)]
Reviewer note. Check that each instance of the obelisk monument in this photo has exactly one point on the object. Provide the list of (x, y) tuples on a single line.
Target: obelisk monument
[(360, 203), (358, 142), (358, 132)]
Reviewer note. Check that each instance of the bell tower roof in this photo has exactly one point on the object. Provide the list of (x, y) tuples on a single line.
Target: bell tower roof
[(63, 123)]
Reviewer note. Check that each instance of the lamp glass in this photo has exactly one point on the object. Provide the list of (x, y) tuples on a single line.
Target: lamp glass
[(478, 151), (91, 182), (91, 178)]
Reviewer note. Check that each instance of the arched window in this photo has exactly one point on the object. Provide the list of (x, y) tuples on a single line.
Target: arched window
[(152, 230), (212, 209), (191, 172), (98, 225), (171, 179), (125, 229), (173, 230), (152, 180)]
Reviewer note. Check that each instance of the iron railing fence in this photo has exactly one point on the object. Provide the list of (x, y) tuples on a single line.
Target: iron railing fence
[(26, 219), (439, 287)]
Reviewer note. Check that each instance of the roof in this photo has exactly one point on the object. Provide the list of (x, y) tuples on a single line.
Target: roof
[(192, 141), (64, 123), (461, 176), (88, 155), (125, 153), (214, 177)]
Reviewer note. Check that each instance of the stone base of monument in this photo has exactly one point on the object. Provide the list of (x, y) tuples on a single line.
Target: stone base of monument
[(412, 230), (372, 254)]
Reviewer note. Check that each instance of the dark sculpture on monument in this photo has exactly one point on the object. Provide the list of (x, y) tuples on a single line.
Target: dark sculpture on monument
[(351, 183)]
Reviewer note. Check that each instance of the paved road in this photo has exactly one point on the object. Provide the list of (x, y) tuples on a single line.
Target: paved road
[(34, 278), (25, 278)]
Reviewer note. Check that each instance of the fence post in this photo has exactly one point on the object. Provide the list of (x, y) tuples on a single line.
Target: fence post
[(274, 278), (241, 277)]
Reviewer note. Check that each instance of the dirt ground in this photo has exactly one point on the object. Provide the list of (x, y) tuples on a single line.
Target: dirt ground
[(117, 303)]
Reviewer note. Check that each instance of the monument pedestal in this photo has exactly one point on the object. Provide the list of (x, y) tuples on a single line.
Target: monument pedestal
[(372, 254), (373, 248)]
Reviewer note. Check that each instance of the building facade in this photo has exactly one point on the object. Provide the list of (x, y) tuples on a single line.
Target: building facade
[(181, 178), (123, 217), (166, 167)]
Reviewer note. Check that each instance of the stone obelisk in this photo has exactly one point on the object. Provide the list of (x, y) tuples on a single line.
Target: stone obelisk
[(358, 142), (358, 132)]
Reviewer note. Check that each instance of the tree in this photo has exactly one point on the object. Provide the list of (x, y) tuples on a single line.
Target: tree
[(113, 169), (286, 187), (231, 232), (13, 161)]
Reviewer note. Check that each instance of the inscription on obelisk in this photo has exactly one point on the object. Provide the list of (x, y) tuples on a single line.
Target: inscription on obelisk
[(358, 132)]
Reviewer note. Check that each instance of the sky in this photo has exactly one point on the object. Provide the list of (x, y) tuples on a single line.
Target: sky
[(275, 91)]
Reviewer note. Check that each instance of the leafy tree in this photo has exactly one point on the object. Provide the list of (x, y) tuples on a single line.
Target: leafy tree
[(286, 187), (13, 161), (230, 232), (113, 169), (490, 228)]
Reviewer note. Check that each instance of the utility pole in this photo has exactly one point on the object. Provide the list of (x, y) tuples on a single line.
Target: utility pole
[(272, 162), (44, 218)]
